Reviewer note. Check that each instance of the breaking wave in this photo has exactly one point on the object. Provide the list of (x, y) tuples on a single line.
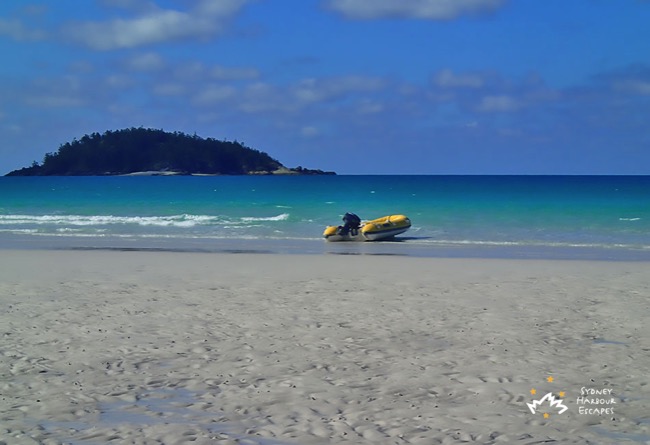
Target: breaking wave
[(184, 220)]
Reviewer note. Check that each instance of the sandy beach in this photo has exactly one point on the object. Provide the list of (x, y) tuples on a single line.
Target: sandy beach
[(162, 347)]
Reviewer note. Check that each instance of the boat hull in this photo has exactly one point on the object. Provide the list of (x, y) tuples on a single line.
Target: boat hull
[(378, 229)]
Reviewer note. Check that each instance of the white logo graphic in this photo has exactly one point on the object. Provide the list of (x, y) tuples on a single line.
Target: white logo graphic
[(555, 403), (592, 401)]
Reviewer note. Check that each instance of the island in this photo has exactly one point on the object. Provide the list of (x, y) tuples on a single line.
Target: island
[(145, 151)]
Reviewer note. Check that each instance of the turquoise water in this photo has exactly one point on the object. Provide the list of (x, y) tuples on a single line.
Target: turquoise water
[(598, 217)]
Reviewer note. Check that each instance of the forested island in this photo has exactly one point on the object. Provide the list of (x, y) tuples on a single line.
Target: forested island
[(156, 152)]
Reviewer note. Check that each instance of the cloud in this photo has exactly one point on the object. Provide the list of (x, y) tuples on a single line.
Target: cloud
[(214, 94), (413, 9), (54, 100), (146, 62), (35, 10), (633, 86), (16, 30), (612, 86), (119, 81), (264, 97), (447, 79), (206, 19), (169, 89), (296, 105), (195, 71), (634, 80), (260, 97), (500, 103), (489, 92), (233, 73), (126, 4), (368, 106), (309, 131), (310, 90)]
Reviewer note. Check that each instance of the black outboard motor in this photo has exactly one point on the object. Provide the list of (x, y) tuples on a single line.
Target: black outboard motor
[(351, 223)]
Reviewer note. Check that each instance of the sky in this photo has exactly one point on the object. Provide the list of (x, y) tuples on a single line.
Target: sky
[(353, 86)]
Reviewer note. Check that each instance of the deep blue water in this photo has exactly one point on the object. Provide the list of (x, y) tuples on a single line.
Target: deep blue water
[(599, 217)]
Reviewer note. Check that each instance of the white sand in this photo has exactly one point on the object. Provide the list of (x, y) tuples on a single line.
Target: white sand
[(173, 348)]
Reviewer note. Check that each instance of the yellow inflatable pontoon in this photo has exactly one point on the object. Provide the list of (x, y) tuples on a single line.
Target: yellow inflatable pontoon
[(375, 230)]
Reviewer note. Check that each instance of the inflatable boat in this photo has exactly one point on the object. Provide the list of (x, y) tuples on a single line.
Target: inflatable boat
[(375, 230)]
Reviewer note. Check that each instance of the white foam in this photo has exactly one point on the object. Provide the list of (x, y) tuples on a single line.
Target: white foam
[(282, 217), (185, 220)]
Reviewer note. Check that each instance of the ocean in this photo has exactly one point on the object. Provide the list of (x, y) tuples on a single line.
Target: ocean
[(559, 217)]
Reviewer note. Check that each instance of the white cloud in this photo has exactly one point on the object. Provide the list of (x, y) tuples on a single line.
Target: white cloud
[(417, 9), (192, 71), (498, 103), (316, 90), (169, 89), (155, 28), (489, 92), (146, 62), (447, 79), (35, 10), (119, 81), (264, 97), (309, 131), (308, 91), (14, 128), (82, 67), (370, 107), (633, 86), (510, 132), (126, 4), (214, 94), (17, 31), (54, 100), (65, 92), (157, 25), (197, 71), (227, 73)]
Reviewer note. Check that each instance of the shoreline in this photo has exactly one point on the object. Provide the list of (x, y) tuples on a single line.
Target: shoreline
[(183, 347), (402, 246)]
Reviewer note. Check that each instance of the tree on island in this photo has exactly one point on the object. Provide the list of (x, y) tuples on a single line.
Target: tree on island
[(142, 149)]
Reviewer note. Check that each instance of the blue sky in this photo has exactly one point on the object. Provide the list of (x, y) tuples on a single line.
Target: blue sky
[(354, 86)]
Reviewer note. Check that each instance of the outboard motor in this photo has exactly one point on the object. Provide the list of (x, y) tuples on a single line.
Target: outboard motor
[(351, 223)]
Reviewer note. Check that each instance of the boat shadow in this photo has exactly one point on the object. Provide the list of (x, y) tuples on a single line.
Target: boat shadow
[(401, 239), (373, 248)]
